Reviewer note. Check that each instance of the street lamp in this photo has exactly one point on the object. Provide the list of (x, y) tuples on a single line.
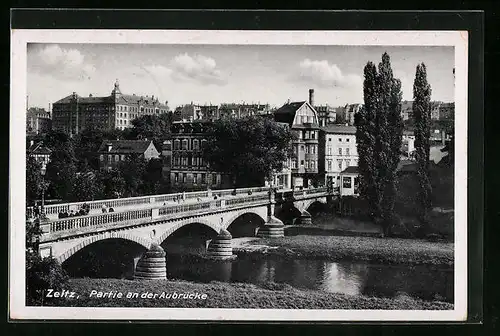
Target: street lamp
[(43, 186)]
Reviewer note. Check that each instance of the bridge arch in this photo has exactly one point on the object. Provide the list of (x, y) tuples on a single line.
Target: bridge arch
[(241, 213), (112, 235), (214, 226), (245, 223), (308, 203)]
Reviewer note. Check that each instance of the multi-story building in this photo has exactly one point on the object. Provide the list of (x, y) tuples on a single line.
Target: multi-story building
[(233, 110), (407, 110), (408, 145), (38, 121), (112, 152), (447, 111), (302, 118), (350, 110), (326, 114), (188, 169), (337, 151), (74, 113), (40, 153), (435, 110), (192, 112)]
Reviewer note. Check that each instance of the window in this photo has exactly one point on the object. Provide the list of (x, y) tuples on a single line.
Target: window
[(313, 149), (301, 163), (340, 164), (329, 164), (117, 157), (313, 164), (340, 139), (110, 158), (347, 139), (203, 178), (306, 135), (176, 177), (347, 163), (302, 148), (123, 157), (195, 178), (176, 161), (313, 135), (102, 157), (307, 164), (340, 151), (176, 144), (214, 178), (294, 164), (307, 149), (346, 182), (184, 144), (329, 150), (347, 151), (196, 144)]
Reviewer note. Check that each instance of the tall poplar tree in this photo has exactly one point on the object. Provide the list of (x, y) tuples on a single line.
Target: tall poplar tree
[(379, 137), (422, 115)]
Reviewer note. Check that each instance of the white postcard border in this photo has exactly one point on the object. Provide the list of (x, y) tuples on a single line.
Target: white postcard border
[(17, 165)]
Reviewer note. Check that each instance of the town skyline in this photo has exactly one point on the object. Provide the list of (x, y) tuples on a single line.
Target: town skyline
[(209, 74)]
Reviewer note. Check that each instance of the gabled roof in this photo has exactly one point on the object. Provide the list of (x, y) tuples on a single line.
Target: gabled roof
[(39, 148), (286, 113), (350, 170), (125, 146), (339, 129)]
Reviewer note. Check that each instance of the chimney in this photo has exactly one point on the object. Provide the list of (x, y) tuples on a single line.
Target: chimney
[(311, 97), (90, 95)]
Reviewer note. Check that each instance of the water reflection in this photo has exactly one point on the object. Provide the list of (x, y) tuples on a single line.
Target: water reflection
[(428, 283)]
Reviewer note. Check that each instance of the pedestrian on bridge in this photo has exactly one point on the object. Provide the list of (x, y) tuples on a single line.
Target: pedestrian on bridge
[(104, 208)]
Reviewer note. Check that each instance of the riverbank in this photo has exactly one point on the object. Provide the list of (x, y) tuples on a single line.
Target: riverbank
[(350, 248), (225, 295)]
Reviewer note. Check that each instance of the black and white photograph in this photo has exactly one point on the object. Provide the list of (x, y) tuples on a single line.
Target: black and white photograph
[(242, 175)]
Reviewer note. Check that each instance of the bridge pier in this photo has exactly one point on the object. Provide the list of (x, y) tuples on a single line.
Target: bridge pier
[(220, 247), (274, 228), (304, 219), (152, 265)]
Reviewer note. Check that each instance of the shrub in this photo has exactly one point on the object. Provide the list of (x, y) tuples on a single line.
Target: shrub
[(42, 274)]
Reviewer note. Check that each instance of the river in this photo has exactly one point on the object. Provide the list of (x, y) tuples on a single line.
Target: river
[(421, 281)]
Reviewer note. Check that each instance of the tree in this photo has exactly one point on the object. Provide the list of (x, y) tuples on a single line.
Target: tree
[(85, 186), (422, 115), (61, 170), (153, 127), (112, 184), (132, 171), (33, 180), (379, 138), (249, 150), (152, 180)]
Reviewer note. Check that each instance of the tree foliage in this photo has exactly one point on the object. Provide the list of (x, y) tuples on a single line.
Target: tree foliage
[(62, 168), (153, 127), (112, 184), (422, 115), (247, 149), (379, 138), (33, 180)]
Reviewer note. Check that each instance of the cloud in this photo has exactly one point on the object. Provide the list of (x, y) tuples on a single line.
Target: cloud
[(324, 74), (62, 63), (185, 68), (199, 68)]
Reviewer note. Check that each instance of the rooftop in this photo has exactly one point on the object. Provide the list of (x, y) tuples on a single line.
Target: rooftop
[(339, 129), (125, 146)]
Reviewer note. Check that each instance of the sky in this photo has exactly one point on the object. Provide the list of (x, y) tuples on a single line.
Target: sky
[(216, 74)]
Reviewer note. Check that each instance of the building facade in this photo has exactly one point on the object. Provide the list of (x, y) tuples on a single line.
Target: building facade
[(40, 153), (38, 121), (303, 120), (350, 111), (74, 113), (447, 111), (112, 152), (408, 145), (188, 169), (338, 151)]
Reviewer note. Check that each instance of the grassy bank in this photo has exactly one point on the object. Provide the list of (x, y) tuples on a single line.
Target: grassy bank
[(225, 295), (348, 248)]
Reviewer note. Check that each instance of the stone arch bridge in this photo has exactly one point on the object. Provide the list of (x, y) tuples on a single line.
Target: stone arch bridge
[(152, 226)]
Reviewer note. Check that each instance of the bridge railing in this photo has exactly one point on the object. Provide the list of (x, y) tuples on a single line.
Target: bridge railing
[(96, 220), (65, 224), (55, 209)]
